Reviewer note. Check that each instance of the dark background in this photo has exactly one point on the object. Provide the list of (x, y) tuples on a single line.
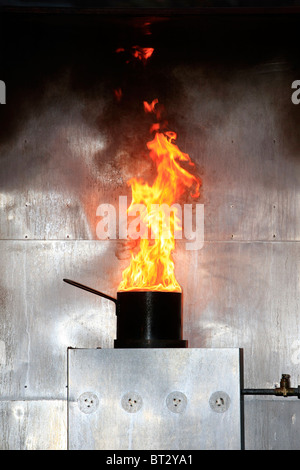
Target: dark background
[(38, 43)]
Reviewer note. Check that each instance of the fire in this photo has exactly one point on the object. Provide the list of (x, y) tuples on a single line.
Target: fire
[(140, 53), (118, 94), (149, 107), (152, 266)]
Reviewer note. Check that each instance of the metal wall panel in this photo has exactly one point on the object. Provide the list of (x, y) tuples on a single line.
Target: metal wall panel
[(51, 185), (42, 316), (277, 427), (33, 425), (240, 302), (245, 295), (233, 296)]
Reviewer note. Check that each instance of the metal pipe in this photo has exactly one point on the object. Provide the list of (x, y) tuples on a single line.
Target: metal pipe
[(284, 390), (258, 391), (291, 392)]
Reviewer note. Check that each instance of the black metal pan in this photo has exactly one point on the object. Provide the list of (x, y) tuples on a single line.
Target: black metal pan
[(145, 319)]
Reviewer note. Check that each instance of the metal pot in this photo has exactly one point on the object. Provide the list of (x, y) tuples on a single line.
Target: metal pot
[(145, 319)]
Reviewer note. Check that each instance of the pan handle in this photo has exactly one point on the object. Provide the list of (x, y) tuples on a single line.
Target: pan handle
[(89, 289)]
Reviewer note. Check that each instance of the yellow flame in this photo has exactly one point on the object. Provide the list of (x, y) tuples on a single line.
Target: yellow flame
[(152, 267)]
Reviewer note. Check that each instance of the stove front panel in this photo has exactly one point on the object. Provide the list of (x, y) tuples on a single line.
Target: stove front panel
[(153, 399)]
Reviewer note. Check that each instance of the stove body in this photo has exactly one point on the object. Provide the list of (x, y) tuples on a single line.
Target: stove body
[(154, 399)]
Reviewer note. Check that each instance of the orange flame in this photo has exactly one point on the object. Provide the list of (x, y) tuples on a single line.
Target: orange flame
[(142, 53), (152, 267), (118, 94), (149, 107)]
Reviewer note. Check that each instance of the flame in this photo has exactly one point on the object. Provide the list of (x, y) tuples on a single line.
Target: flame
[(149, 107), (142, 53), (118, 94), (152, 267), (138, 52)]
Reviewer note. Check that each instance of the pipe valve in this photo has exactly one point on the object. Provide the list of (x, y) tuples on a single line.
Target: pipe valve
[(284, 390)]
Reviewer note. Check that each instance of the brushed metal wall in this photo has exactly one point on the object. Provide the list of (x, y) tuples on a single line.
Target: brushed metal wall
[(67, 146)]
